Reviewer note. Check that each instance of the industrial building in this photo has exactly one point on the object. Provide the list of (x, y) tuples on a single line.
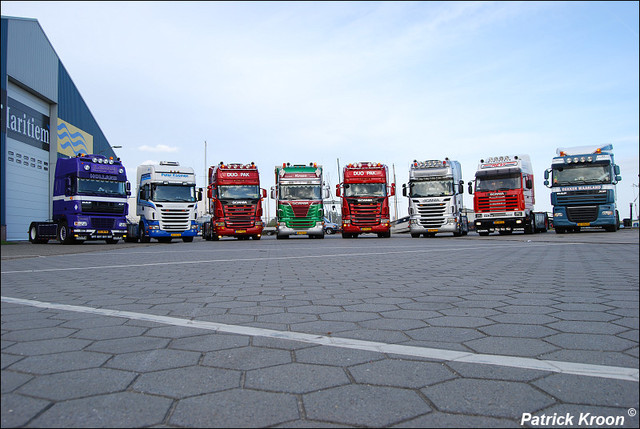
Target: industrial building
[(43, 118)]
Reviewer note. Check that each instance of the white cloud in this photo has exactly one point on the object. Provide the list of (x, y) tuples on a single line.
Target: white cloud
[(158, 148)]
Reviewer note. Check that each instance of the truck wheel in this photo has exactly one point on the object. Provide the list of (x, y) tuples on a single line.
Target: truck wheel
[(281, 237), (111, 240), (187, 239), (255, 237), (63, 234), (483, 233), (415, 235), (33, 236)]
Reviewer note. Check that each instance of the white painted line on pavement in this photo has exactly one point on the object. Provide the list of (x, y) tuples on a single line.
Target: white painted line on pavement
[(258, 259), (588, 370)]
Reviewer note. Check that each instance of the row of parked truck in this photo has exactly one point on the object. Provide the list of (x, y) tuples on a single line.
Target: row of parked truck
[(90, 198)]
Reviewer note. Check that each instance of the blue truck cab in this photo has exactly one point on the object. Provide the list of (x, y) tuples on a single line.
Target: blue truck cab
[(583, 188), (89, 201)]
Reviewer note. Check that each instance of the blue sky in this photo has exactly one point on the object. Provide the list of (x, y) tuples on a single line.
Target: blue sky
[(388, 82)]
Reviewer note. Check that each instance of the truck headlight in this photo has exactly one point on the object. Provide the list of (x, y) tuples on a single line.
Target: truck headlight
[(80, 223), (557, 214), (122, 224), (607, 212)]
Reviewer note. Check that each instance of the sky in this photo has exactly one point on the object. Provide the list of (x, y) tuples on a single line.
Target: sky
[(342, 82)]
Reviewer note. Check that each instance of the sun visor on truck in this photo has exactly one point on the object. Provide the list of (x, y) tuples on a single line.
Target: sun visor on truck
[(497, 172)]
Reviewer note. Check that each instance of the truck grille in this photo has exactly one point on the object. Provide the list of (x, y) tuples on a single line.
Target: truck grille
[(298, 216), (498, 203), (365, 214), (102, 222), (174, 219), (239, 216), (582, 213), (431, 215), (581, 197)]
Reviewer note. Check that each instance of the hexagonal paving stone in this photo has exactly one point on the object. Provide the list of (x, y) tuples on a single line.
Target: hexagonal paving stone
[(210, 342), (360, 405), (58, 362), (17, 410), (336, 356), (154, 360), (126, 409), (76, 384), (247, 358), (601, 391), (229, 409), (590, 342), (444, 420), (486, 397), (510, 346), (295, 378), (458, 335), (190, 381), (401, 373)]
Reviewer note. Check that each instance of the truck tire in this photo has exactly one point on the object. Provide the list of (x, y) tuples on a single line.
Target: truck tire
[(187, 239), (64, 235), (112, 240), (33, 236), (415, 235), (255, 237)]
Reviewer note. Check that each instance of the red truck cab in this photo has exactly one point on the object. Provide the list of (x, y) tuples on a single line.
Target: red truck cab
[(364, 194), (235, 202)]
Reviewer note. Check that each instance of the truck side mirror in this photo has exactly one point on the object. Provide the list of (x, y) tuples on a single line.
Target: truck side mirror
[(128, 188), (546, 174), (199, 194), (263, 193), (461, 187), (470, 188), (529, 184), (618, 178), (325, 192), (616, 169), (273, 192), (404, 189), (338, 194), (393, 190)]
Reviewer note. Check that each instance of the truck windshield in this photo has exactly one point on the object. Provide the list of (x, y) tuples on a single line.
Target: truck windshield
[(365, 190), (300, 192), (239, 192), (501, 182), (173, 193), (432, 188), (580, 174), (101, 187)]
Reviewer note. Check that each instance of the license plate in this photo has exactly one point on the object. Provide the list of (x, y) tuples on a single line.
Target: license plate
[(497, 222), (366, 229), (176, 234), (103, 232), (240, 231), (584, 224), (432, 230), (301, 232)]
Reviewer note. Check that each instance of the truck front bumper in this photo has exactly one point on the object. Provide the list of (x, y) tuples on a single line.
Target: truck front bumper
[(83, 234), (156, 233), (223, 231), (353, 229), (505, 224), (282, 230)]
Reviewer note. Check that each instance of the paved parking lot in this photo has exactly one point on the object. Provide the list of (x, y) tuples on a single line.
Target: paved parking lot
[(442, 332)]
